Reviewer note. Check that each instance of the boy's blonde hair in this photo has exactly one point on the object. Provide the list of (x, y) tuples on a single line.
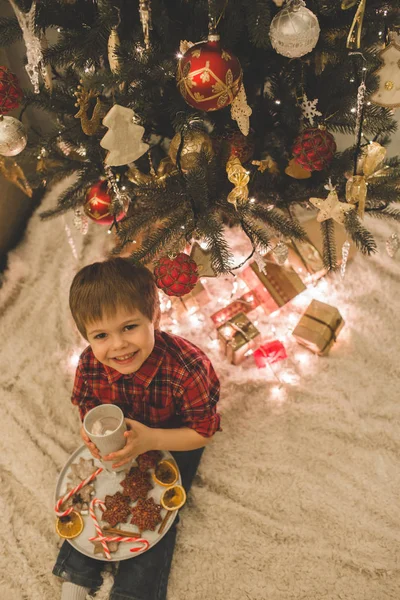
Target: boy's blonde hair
[(101, 288)]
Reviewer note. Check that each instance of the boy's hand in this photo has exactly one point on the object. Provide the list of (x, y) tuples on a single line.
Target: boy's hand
[(139, 439), (92, 447)]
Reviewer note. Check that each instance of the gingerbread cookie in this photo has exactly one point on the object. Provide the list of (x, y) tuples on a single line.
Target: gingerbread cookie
[(149, 460), (136, 484), (146, 514), (117, 509)]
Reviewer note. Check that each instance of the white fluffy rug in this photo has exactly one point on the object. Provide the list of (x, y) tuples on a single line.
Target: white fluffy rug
[(297, 499)]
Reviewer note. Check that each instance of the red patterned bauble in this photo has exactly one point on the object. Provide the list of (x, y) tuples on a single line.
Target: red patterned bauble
[(314, 149), (236, 144), (176, 276), (209, 77), (98, 204), (10, 91)]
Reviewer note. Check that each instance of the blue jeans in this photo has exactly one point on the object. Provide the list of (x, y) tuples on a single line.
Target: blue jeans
[(144, 577)]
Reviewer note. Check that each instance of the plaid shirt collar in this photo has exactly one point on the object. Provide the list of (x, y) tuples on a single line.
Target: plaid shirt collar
[(149, 368)]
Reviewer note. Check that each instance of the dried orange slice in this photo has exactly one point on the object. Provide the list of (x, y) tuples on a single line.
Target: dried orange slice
[(173, 498), (165, 473), (69, 527)]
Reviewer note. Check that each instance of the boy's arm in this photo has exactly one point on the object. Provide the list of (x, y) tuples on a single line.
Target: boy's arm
[(200, 420)]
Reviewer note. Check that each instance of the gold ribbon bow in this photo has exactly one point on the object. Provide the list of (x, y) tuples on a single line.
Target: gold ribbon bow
[(354, 37), (237, 175), (356, 186)]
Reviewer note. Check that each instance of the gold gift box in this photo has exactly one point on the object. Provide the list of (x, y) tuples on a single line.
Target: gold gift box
[(280, 283), (306, 256), (194, 300), (318, 327), (237, 337)]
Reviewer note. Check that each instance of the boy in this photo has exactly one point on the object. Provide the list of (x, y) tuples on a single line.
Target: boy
[(167, 390)]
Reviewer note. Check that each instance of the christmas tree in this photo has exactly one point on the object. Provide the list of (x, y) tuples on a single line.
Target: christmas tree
[(181, 118)]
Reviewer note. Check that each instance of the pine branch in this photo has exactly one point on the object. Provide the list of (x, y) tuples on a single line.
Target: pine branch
[(389, 214), (362, 238), (157, 240), (278, 222), (329, 255), (10, 31)]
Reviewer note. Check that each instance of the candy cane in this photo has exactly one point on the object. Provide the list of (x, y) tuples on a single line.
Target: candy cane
[(97, 526), (120, 538), (72, 492)]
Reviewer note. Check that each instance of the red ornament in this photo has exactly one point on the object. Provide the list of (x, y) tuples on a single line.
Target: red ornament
[(98, 204), (176, 276), (236, 144), (314, 149), (209, 77), (10, 91)]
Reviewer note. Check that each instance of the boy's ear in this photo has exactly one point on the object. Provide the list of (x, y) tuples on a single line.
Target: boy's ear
[(157, 318)]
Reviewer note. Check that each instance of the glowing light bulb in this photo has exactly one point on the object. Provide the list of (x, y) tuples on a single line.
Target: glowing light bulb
[(73, 361)]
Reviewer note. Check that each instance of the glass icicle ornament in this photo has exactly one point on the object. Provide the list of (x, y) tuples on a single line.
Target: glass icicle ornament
[(145, 19), (34, 54), (81, 222), (294, 30), (393, 244), (345, 256), (281, 253)]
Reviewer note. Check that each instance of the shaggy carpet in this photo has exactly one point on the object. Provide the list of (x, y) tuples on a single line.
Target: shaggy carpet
[(297, 498)]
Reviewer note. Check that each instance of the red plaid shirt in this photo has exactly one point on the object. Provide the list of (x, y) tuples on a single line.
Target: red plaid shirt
[(175, 387)]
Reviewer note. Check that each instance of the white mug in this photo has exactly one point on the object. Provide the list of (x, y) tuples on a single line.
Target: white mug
[(105, 426)]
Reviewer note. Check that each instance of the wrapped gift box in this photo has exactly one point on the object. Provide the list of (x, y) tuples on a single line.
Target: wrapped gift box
[(245, 304), (236, 337), (275, 286), (305, 257), (194, 300), (318, 327)]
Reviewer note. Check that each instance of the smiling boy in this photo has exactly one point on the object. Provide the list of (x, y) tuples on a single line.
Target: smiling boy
[(167, 390)]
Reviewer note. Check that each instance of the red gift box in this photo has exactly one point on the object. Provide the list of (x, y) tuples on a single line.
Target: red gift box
[(269, 353)]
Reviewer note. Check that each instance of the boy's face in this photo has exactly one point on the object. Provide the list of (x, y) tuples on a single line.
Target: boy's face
[(123, 341)]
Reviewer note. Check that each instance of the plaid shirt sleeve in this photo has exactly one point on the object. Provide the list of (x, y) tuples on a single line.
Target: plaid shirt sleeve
[(200, 396), (82, 395)]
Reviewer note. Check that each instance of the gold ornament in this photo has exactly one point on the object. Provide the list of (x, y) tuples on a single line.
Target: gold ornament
[(237, 175), (194, 142), (92, 125), (266, 164), (356, 186), (296, 171), (145, 19), (14, 173), (354, 37), (331, 208), (184, 46), (113, 46)]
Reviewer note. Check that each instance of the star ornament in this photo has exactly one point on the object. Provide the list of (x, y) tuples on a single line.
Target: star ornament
[(331, 208)]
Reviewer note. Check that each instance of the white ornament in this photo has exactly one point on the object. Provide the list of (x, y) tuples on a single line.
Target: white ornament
[(294, 30), (241, 111), (309, 109), (281, 253), (260, 262), (13, 136), (345, 257), (388, 93), (331, 208), (81, 222), (123, 138)]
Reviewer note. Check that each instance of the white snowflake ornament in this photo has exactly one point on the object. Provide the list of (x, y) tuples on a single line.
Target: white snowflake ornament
[(309, 109)]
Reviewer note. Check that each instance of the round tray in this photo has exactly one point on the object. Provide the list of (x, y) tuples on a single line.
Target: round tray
[(108, 483)]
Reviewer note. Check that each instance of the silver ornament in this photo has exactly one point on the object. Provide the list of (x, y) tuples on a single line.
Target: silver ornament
[(294, 30), (281, 252), (13, 136), (393, 244), (81, 222)]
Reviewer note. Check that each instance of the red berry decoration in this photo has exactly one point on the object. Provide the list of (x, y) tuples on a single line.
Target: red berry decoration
[(209, 77), (98, 204), (10, 91), (314, 149), (176, 276)]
